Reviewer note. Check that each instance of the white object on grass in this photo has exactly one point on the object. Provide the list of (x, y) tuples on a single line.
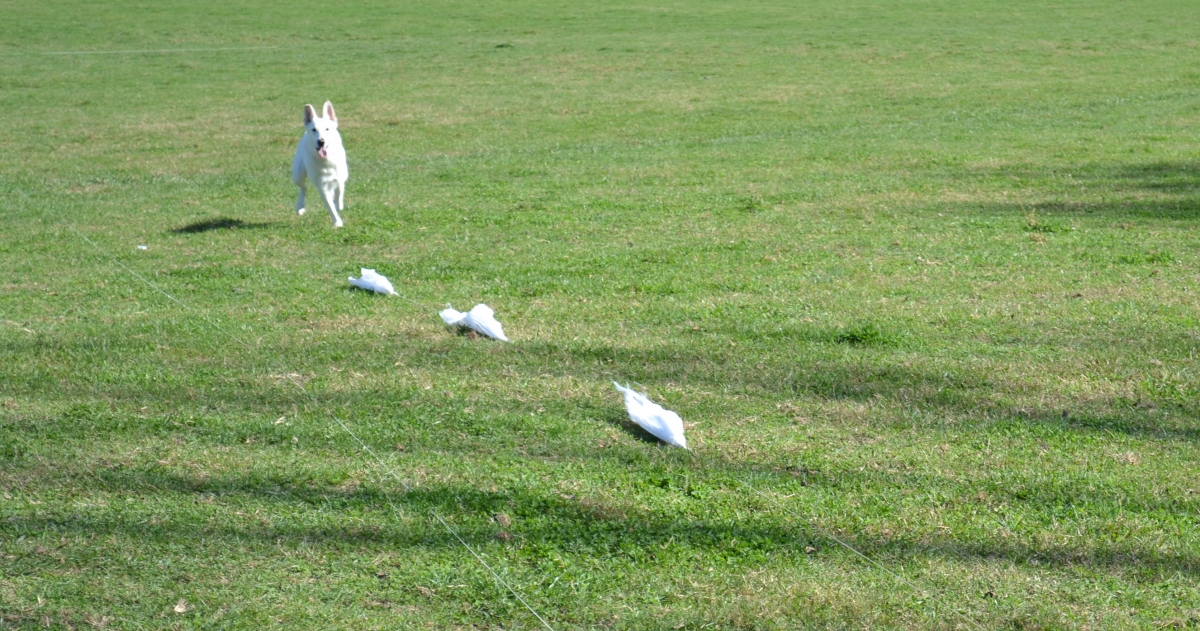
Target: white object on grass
[(373, 282), (654, 418), (480, 318), (142, 247)]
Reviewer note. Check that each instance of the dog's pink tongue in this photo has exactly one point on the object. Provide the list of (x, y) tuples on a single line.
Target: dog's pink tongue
[(321, 152)]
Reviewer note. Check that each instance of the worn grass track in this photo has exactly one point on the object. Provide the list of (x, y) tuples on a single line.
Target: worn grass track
[(922, 275)]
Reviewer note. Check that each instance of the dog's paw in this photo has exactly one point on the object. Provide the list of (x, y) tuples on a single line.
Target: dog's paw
[(299, 211), (337, 224)]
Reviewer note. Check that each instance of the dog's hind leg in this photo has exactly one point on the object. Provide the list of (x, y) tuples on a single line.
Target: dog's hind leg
[(298, 177)]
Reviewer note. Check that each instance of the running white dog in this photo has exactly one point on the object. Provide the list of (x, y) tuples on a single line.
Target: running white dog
[(322, 158)]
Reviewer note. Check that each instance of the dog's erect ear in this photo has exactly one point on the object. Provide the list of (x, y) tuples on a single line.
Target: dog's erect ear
[(309, 114), (329, 112)]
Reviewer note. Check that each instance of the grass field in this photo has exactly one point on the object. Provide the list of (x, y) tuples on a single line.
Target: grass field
[(920, 276)]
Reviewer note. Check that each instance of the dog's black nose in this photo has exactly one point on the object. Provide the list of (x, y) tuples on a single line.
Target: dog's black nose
[(320, 142)]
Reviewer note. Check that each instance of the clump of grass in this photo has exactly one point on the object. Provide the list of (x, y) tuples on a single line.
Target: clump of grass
[(751, 204), (1035, 224), (1181, 389), (864, 334), (1147, 258)]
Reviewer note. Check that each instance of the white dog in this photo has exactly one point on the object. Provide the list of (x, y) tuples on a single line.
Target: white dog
[(322, 158)]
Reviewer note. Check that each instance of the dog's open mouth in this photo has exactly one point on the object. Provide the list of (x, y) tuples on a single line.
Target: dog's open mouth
[(321, 152)]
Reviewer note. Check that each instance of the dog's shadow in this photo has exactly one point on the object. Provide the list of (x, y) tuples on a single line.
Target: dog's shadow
[(220, 223)]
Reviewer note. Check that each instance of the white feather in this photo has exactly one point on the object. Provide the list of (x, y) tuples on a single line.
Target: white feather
[(480, 319), (373, 282), (652, 417)]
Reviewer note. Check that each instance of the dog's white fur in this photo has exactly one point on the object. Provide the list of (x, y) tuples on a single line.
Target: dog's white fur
[(322, 158)]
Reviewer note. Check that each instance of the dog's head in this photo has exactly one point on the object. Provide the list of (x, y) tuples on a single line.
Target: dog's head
[(322, 131)]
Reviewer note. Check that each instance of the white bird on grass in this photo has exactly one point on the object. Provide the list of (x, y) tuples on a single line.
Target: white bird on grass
[(480, 319), (652, 417), (372, 281)]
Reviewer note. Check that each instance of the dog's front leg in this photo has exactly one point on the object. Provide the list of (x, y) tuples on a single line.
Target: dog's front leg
[(300, 200), (299, 178), (330, 195)]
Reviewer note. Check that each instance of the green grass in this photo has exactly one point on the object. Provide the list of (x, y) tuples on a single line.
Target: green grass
[(920, 276)]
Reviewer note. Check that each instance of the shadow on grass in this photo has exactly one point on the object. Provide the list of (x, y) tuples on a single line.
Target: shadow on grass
[(622, 422), (543, 522), (866, 376), (222, 223), (596, 528), (1168, 190), (963, 393), (555, 520)]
